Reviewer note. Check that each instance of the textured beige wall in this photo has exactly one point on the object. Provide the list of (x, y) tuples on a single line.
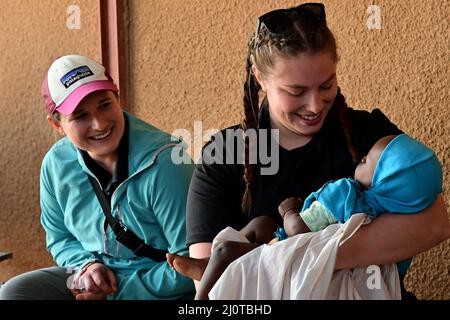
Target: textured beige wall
[(33, 33), (187, 64)]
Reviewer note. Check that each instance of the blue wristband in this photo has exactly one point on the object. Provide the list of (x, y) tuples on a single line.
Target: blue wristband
[(280, 234)]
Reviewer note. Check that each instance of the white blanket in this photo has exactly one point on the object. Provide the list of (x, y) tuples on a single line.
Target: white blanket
[(302, 267)]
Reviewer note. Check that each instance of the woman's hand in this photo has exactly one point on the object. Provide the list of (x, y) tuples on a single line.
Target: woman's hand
[(94, 282)]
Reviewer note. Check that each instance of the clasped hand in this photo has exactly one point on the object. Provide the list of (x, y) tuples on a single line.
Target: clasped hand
[(94, 282)]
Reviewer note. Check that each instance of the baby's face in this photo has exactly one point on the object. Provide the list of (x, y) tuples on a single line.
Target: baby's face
[(366, 168)]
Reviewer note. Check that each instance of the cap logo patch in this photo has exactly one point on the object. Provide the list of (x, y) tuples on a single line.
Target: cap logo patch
[(76, 74)]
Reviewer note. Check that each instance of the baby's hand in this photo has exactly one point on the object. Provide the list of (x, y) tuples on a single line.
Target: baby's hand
[(290, 204)]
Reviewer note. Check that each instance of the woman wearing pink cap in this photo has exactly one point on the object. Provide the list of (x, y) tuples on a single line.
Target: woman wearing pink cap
[(112, 201)]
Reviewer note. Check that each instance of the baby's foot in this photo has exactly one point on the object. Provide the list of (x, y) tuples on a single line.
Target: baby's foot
[(290, 204), (187, 266)]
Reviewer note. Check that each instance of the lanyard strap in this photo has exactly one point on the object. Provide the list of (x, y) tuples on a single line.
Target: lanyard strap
[(123, 234)]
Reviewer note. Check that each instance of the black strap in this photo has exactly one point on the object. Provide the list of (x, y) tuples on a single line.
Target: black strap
[(123, 235)]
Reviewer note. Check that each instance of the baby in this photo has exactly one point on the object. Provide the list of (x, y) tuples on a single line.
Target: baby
[(398, 175)]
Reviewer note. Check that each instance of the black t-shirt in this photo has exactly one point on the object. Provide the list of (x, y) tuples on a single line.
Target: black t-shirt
[(216, 190)]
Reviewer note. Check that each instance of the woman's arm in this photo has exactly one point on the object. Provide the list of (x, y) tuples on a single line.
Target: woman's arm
[(65, 248), (395, 237), (200, 250)]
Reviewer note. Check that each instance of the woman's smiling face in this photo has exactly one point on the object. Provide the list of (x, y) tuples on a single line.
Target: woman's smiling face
[(96, 126), (300, 91)]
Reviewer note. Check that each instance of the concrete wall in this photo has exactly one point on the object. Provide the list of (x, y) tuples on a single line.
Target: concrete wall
[(187, 64), (33, 34)]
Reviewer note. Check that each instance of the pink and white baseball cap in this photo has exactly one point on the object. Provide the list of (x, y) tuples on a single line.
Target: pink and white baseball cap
[(71, 78)]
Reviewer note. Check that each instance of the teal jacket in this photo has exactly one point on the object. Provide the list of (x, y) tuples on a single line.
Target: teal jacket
[(151, 202)]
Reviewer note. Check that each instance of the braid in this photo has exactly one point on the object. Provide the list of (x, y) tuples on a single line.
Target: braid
[(250, 121), (344, 119), (263, 49)]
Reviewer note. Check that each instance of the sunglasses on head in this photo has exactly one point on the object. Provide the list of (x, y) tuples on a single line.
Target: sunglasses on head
[(280, 20)]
